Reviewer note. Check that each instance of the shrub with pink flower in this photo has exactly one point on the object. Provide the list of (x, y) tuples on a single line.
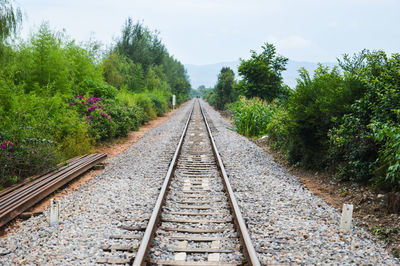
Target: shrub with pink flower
[(6, 145), (101, 126)]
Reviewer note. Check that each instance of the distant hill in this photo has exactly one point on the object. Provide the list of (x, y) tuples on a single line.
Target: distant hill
[(207, 74)]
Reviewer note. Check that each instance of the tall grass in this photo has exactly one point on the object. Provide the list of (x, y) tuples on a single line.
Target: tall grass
[(251, 117)]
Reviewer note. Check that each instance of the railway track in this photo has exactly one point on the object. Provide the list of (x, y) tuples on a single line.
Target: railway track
[(17, 199), (196, 219)]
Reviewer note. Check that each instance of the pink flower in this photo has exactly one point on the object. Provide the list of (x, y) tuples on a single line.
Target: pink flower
[(6, 144)]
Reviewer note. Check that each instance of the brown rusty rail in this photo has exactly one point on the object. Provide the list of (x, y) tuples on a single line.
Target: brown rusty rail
[(19, 198)]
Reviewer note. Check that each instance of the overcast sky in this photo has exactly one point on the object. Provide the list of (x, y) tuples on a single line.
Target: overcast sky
[(210, 31)]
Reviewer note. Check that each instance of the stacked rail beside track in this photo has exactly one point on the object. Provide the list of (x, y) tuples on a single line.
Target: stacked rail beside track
[(19, 198), (196, 219)]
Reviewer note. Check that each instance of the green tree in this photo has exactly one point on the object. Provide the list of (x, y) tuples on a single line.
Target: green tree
[(10, 19), (151, 60), (120, 71), (140, 44), (262, 74), (365, 144), (312, 108), (51, 63), (224, 87)]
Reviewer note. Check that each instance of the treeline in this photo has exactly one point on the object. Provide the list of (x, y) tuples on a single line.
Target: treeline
[(343, 119), (261, 77), (58, 98)]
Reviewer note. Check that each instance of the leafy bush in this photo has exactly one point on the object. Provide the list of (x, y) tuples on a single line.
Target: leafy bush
[(32, 116), (26, 158), (126, 117), (389, 154), (210, 96), (144, 101), (312, 110), (277, 129), (159, 103), (136, 112), (365, 142), (97, 89), (42, 123), (352, 151), (101, 125), (50, 63)]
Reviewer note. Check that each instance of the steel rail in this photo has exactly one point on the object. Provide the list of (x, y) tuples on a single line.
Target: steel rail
[(42, 187), (30, 180), (20, 191), (51, 180), (155, 216), (250, 252)]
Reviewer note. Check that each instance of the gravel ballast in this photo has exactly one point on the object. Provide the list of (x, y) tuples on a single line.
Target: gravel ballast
[(287, 223), (124, 192)]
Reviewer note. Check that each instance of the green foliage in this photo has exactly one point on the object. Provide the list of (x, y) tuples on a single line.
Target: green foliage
[(209, 95), (120, 72), (277, 129), (251, 117), (389, 154), (312, 110), (43, 130), (365, 143), (58, 99), (10, 19), (140, 45), (224, 88), (92, 110), (352, 150), (384, 233), (126, 117), (97, 89), (262, 74), (153, 67), (49, 63), (25, 158), (177, 78), (32, 116), (159, 103), (143, 100), (137, 113)]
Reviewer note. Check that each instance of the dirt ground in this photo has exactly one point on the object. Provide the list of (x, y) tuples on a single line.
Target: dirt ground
[(118, 146), (370, 206)]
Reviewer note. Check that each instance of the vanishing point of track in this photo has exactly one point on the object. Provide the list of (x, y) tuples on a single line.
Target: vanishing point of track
[(196, 219)]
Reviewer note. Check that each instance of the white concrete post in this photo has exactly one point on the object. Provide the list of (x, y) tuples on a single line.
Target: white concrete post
[(54, 213), (345, 222)]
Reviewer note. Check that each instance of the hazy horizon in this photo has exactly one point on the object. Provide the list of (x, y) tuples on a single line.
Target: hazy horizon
[(203, 32), (207, 75)]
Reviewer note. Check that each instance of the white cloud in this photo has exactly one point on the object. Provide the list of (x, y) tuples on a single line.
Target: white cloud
[(291, 42), (333, 24)]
